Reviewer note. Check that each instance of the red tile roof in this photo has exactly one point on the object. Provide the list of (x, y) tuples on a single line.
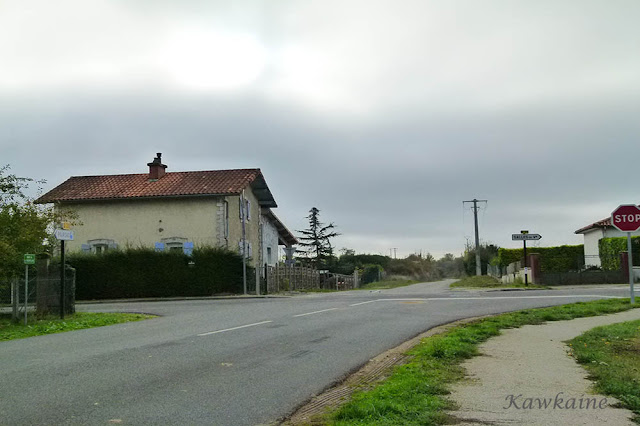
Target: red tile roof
[(175, 184), (599, 224)]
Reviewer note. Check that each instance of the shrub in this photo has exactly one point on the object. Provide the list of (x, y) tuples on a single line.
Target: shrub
[(552, 259), (143, 272), (371, 273), (610, 249)]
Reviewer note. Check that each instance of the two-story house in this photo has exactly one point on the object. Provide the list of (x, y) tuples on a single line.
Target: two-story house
[(173, 211)]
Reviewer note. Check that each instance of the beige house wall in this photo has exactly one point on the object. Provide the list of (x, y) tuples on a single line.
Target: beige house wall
[(252, 225), (142, 223)]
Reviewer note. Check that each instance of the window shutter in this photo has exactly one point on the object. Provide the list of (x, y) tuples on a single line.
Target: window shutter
[(248, 210)]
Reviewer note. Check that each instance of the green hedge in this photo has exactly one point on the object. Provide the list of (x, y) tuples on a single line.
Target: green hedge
[(133, 273), (610, 249), (371, 273), (552, 259)]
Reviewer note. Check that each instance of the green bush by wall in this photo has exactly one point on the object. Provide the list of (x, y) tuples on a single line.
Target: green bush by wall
[(610, 249), (141, 272), (371, 273), (552, 259)]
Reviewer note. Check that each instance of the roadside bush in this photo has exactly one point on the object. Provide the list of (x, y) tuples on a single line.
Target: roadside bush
[(371, 273), (610, 249), (143, 272), (552, 259)]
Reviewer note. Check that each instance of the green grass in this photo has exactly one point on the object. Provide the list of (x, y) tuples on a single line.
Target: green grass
[(486, 281), (37, 327), (416, 393), (611, 355), (384, 285)]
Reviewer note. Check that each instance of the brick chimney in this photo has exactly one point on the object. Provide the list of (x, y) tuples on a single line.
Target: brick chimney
[(156, 168)]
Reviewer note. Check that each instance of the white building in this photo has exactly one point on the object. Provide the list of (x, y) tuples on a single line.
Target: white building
[(593, 234)]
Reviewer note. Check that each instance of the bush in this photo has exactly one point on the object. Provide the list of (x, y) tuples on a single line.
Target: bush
[(552, 259), (143, 272), (610, 249), (371, 273)]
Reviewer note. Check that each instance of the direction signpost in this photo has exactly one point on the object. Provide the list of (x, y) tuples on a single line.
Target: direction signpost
[(63, 235), (525, 236), (626, 218), (29, 259)]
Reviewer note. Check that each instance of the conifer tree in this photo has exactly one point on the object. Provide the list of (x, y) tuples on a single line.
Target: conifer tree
[(315, 243)]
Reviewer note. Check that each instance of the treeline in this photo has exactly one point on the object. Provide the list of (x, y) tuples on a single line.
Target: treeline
[(373, 267)]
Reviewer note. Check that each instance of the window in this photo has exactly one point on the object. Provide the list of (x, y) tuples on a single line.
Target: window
[(269, 255), (249, 249), (247, 209), (226, 219), (174, 244), (99, 246)]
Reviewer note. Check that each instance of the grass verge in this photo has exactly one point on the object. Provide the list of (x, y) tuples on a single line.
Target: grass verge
[(611, 355), (486, 281), (384, 285), (415, 394), (37, 327)]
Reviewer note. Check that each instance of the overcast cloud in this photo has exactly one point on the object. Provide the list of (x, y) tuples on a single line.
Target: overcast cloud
[(385, 115)]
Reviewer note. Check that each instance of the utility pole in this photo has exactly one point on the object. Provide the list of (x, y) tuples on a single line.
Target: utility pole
[(244, 242), (475, 220), (395, 252)]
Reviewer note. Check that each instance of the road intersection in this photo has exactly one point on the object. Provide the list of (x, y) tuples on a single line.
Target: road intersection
[(237, 362)]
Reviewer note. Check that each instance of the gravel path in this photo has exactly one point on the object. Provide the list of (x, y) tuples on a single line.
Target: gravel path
[(523, 369)]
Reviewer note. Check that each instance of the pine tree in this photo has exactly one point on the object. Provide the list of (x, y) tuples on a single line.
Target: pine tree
[(315, 242)]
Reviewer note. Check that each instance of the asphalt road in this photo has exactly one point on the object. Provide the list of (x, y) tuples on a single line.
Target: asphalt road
[(229, 362)]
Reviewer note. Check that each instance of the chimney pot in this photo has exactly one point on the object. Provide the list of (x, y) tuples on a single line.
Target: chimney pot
[(156, 168)]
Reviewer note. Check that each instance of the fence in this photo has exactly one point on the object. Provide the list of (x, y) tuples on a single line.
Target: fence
[(275, 279), (539, 275), (43, 291)]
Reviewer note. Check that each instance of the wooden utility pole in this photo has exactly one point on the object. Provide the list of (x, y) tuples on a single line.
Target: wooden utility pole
[(475, 220)]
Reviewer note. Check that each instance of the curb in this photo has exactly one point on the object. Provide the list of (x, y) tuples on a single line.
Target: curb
[(176, 299)]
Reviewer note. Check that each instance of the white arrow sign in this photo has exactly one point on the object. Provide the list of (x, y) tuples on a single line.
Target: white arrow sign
[(520, 237), (62, 234)]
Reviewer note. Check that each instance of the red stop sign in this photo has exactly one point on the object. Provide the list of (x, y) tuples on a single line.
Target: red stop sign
[(626, 218)]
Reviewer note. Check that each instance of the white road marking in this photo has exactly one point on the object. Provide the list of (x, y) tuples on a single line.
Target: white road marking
[(234, 328), (497, 298), (315, 312), (362, 303)]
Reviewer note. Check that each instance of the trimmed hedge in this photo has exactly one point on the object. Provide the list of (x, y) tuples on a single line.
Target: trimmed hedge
[(610, 249), (142, 272), (552, 259)]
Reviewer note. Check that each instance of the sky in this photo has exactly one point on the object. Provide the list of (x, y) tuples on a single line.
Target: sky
[(385, 115)]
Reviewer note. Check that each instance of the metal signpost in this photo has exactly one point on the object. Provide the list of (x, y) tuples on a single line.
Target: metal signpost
[(63, 235), (626, 218), (524, 236), (29, 259)]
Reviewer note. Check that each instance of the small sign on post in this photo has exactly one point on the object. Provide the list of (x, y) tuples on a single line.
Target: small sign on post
[(29, 259), (525, 236), (63, 235), (626, 218)]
